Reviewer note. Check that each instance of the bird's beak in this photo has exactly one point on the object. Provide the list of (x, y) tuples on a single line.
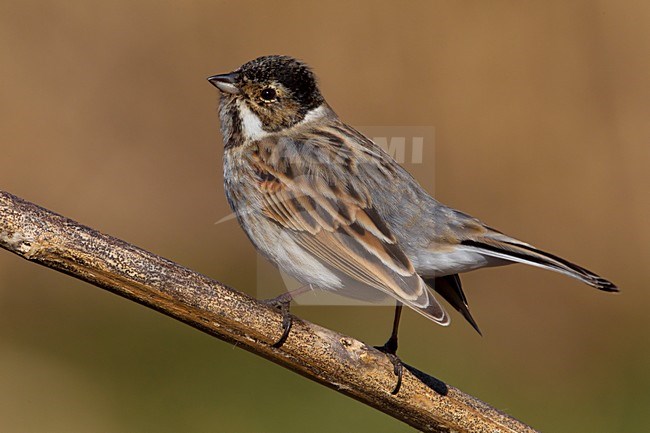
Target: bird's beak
[(225, 82)]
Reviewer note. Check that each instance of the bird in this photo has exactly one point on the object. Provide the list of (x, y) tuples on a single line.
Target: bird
[(328, 206)]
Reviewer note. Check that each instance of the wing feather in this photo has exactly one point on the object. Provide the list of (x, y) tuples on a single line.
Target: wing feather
[(338, 225)]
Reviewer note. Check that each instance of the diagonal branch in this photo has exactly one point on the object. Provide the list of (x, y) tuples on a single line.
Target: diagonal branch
[(332, 359)]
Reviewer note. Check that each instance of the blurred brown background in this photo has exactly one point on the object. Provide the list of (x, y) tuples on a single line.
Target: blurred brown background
[(541, 118)]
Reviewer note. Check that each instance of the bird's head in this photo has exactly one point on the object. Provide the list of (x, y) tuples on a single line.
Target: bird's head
[(266, 95)]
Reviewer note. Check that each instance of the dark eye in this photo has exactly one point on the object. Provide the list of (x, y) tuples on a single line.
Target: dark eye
[(268, 94)]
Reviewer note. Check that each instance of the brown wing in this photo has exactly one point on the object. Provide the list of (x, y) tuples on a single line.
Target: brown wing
[(336, 223)]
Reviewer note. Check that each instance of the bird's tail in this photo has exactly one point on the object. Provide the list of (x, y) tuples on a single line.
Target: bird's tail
[(504, 247), (450, 288)]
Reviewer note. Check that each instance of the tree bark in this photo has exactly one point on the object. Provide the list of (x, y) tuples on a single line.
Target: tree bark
[(327, 357)]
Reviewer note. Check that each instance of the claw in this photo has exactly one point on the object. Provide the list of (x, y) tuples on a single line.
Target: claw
[(398, 367), (282, 303)]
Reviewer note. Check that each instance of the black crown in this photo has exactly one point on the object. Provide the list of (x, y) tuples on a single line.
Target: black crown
[(291, 73)]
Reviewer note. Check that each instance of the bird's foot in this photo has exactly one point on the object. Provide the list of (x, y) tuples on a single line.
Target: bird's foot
[(282, 303), (390, 349)]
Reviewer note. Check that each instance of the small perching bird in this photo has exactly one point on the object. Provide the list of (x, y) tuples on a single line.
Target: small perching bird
[(328, 206)]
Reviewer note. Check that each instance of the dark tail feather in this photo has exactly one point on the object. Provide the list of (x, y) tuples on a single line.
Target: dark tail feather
[(510, 249), (449, 287)]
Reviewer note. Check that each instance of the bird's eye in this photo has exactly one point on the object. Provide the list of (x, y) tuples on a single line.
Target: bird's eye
[(268, 94)]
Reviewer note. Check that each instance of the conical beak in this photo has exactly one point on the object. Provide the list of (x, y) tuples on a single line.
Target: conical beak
[(225, 82)]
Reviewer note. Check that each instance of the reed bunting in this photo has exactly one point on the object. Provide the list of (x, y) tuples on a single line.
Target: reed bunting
[(328, 206)]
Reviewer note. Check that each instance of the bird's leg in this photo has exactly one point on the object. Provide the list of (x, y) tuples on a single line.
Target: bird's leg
[(283, 303), (390, 349)]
